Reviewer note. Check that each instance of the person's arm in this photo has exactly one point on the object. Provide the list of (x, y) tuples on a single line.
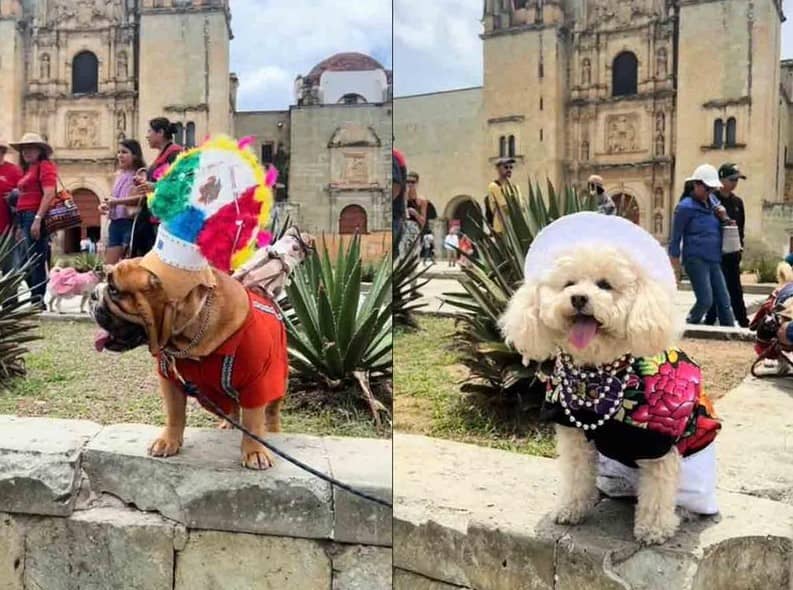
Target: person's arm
[(679, 222), (48, 177), (740, 214), (421, 214)]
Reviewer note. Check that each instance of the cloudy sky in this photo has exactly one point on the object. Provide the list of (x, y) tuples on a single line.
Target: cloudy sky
[(277, 40), (436, 44)]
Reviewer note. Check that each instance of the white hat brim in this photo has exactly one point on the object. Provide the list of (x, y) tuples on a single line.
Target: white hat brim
[(595, 231)]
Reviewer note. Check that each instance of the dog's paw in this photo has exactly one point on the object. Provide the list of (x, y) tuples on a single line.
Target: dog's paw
[(657, 529), (573, 512), (259, 459), (164, 446)]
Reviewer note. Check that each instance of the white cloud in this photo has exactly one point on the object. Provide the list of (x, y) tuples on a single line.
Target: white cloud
[(436, 45), (277, 40)]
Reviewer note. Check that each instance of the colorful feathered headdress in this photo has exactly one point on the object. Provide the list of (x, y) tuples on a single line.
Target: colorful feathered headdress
[(213, 204)]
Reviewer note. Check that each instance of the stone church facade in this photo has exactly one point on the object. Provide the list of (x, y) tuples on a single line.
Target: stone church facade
[(639, 92), (87, 73)]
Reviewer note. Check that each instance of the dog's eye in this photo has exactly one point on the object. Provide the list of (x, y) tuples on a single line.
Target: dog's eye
[(604, 284), (113, 291), (569, 284)]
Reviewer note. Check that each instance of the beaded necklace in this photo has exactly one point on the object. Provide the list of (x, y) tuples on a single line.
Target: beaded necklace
[(599, 390)]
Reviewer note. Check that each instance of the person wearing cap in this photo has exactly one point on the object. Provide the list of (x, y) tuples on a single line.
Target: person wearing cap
[(729, 175), (497, 191), (696, 232), (605, 204), (36, 191)]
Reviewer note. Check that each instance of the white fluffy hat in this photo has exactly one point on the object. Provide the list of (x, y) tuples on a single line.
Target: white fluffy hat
[(594, 230)]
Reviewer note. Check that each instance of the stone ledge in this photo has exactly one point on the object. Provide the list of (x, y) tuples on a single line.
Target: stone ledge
[(705, 332), (480, 518), (65, 317), (42, 462)]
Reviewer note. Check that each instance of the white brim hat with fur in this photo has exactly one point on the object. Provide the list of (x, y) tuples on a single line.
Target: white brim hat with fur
[(595, 231)]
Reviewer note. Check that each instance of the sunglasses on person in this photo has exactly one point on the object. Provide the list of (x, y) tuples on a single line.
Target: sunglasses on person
[(507, 166)]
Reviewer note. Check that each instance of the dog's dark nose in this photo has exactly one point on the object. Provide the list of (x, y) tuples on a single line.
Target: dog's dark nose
[(579, 301)]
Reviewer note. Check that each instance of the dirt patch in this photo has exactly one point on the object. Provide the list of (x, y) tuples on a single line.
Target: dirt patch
[(724, 364)]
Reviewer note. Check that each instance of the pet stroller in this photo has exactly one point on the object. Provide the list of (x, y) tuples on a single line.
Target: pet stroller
[(774, 359)]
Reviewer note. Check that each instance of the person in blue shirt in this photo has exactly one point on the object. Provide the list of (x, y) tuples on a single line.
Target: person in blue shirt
[(696, 238)]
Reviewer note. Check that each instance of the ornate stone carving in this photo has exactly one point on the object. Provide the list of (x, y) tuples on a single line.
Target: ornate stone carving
[(82, 129), (355, 168), (658, 199), (659, 144), (586, 72), (353, 134), (621, 133), (84, 12), (658, 224), (585, 150), (44, 67), (660, 122), (121, 121), (661, 63), (122, 68)]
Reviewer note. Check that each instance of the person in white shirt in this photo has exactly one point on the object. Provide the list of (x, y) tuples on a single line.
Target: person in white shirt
[(450, 244)]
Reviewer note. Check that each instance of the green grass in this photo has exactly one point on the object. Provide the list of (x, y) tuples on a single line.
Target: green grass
[(67, 378), (428, 400)]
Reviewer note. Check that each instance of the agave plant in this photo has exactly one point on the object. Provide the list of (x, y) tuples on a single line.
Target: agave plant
[(335, 337), (17, 319), (489, 282), (408, 280)]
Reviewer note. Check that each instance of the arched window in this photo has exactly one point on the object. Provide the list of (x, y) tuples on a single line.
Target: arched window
[(352, 220), (718, 133), (511, 146), (624, 74), (502, 146), (352, 98), (85, 73), (190, 135), (731, 132), (178, 137)]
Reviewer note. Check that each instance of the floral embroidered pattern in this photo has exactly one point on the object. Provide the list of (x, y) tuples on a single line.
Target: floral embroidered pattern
[(663, 394)]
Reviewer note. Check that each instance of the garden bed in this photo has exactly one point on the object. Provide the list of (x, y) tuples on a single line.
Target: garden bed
[(427, 397), (67, 378)]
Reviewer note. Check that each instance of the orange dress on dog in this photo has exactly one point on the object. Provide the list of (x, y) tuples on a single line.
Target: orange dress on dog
[(249, 369)]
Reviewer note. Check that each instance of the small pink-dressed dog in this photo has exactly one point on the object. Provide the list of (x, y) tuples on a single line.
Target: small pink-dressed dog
[(65, 283)]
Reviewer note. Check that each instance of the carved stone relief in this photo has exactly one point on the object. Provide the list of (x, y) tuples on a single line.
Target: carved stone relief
[(44, 67), (121, 121), (658, 200), (355, 168), (658, 224), (661, 63), (585, 150), (122, 69), (84, 12), (586, 72), (82, 129), (621, 133)]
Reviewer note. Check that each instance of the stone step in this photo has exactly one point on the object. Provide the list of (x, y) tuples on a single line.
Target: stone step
[(481, 518)]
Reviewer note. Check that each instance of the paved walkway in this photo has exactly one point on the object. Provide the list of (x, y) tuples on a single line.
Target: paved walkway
[(437, 287)]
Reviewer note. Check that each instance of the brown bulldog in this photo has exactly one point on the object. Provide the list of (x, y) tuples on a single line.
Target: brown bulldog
[(217, 334)]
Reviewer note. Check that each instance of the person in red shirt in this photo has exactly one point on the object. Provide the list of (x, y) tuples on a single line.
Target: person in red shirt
[(36, 191), (10, 174)]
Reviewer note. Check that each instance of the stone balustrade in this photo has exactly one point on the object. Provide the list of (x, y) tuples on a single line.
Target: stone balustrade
[(84, 506)]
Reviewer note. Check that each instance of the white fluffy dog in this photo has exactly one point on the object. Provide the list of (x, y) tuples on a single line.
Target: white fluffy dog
[(598, 296)]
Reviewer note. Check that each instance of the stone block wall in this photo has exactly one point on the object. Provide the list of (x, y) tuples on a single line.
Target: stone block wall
[(83, 506)]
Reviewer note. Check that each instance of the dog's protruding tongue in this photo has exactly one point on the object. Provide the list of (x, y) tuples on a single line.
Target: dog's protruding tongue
[(583, 331), (101, 338)]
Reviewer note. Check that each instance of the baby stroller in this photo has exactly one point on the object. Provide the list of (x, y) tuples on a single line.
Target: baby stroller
[(774, 359)]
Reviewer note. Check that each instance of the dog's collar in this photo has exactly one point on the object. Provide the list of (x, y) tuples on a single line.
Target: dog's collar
[(203, 316)]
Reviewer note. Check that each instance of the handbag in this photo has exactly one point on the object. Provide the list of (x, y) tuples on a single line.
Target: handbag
[(63, 212), (730, 239)]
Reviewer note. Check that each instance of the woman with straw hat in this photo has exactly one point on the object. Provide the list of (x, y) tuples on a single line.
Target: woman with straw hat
[(36, 191)]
